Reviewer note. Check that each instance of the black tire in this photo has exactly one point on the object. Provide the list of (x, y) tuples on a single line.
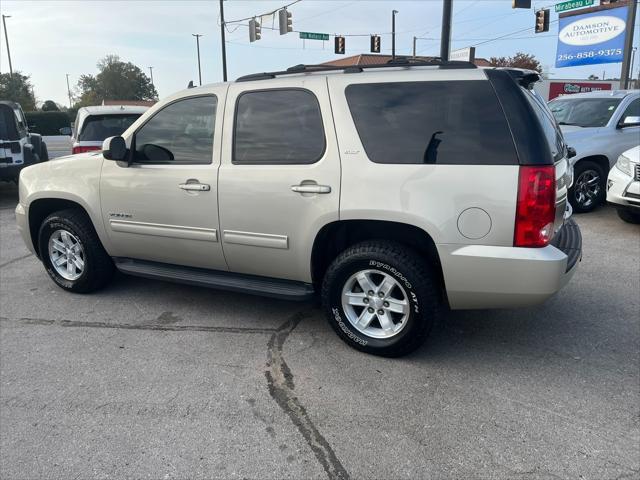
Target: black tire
[(98, 266), (587, 167), (628, 216), (409, 270), (44, 153)]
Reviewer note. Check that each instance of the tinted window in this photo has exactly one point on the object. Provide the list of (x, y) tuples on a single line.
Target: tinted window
[(548, 123), (180, 133), (633, 110), (584, 112), (454, 122), (278, 127), (99, 127)]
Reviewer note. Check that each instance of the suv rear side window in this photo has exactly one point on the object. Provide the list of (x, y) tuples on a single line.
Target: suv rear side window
[(548, 123), (278, 127), (99, 127), (181, 132), (452, 122)]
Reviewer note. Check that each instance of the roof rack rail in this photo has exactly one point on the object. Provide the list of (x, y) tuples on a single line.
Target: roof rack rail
[(399, 62)]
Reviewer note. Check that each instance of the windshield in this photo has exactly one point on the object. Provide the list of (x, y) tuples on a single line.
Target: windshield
[(584, 112), (99, 127)]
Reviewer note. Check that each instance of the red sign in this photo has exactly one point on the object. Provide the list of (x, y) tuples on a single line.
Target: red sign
[(567, 88)]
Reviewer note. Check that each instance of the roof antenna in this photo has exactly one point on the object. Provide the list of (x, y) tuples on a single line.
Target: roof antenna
[(190, 84)]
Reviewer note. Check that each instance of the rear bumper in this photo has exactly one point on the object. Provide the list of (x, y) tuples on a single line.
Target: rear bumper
[(481, 276)]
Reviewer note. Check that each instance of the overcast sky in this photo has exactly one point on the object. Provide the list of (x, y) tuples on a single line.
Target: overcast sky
[(51, 38)]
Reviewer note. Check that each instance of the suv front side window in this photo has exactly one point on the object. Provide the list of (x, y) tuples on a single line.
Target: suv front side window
[(278, 127), (180, 133)]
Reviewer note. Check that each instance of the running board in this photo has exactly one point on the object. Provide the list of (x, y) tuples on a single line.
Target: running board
[(235, 282)]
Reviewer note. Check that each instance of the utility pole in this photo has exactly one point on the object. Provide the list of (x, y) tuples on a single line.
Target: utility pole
[(197, 35), (393, 34), (224, 44), (633, 56), (6, 37), (445, 37), (414, 47), (628, 43), (69, 91), (151, 72)]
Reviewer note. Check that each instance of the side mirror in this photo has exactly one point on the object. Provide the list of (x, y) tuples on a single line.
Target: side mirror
[(65, 131), (630, 121), (571, 152), (114, 148)]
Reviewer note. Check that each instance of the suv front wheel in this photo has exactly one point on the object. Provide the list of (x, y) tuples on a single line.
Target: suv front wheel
[(381, 298), (71, 252)]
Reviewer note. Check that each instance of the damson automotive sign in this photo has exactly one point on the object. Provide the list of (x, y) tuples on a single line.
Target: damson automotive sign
[(591, 38)]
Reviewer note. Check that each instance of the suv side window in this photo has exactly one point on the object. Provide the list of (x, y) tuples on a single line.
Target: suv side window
[(452, 122), (278, 127), (549, 125), (180, 133), (632, 110)]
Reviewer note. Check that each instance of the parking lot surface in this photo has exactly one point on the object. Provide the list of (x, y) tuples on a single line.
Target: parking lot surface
[(155, 380)]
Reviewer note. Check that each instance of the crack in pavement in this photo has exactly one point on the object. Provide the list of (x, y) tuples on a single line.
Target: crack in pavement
[(281, 389), (129, 326), (15, 260)]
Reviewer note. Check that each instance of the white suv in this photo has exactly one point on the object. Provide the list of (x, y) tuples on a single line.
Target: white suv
[(392, 191)]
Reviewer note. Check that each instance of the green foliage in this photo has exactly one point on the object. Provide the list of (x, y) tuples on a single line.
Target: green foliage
[(17, 88), (116, 80), (50, 106), (519, 60), (47, 123)]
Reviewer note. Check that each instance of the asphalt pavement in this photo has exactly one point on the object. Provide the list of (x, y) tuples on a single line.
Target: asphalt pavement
[(155, 380)]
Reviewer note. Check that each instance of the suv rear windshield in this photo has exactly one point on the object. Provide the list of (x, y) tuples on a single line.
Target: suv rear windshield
[(452, 122), (584, 112), (99, 127)]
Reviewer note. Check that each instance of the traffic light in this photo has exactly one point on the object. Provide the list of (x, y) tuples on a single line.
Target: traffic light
[(375, 43), (542, 20), (521, 4), (254, 30), (286, 25), (339, 45)]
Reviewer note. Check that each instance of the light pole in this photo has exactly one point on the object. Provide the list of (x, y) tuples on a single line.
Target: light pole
[(197, 35), (445, 38), (633, 56), (6, 37), (151, 72), (69, 91), (224, 46), (393, 34), (628, 43)]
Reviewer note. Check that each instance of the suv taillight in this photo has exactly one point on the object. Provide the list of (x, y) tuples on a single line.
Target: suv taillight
[(536, 207), (83, 149)]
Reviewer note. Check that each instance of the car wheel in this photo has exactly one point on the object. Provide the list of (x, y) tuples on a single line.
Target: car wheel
[(72, 253), (588, 190), (381, 298), (629, 217)]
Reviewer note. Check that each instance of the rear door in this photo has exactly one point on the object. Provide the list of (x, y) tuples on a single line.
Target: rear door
[(163, 206), (279, 180)]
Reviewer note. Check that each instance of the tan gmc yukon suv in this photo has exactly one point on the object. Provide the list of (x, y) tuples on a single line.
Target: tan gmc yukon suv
[(393, 192)]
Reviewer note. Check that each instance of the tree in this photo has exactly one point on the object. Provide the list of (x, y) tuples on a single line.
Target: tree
[(17, 88), (519, 60), (50, 106), (593, 77), (116, 80)]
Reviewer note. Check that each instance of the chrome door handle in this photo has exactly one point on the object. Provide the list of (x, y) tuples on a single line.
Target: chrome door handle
[(195, 187), (311, 188)]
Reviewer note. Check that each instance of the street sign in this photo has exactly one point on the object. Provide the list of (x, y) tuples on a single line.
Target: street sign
[(314, 36), (571, 4)]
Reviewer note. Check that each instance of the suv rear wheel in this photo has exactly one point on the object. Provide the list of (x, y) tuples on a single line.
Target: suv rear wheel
[(72, 253), (588, 190), (380, 298)]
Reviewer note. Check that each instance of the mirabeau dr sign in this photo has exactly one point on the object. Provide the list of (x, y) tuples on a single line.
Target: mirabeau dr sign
[(591, 38)]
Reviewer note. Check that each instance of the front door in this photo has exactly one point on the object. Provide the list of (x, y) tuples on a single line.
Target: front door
[(163, 206), (279, 178)]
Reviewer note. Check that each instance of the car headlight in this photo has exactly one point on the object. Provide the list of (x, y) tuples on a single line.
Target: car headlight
[(624, 165)]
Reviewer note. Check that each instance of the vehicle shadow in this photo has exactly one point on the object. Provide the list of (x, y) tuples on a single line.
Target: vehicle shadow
[(8, 195)]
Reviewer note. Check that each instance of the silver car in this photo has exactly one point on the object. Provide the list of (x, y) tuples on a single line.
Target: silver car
[(599, 126), (390, 192)]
